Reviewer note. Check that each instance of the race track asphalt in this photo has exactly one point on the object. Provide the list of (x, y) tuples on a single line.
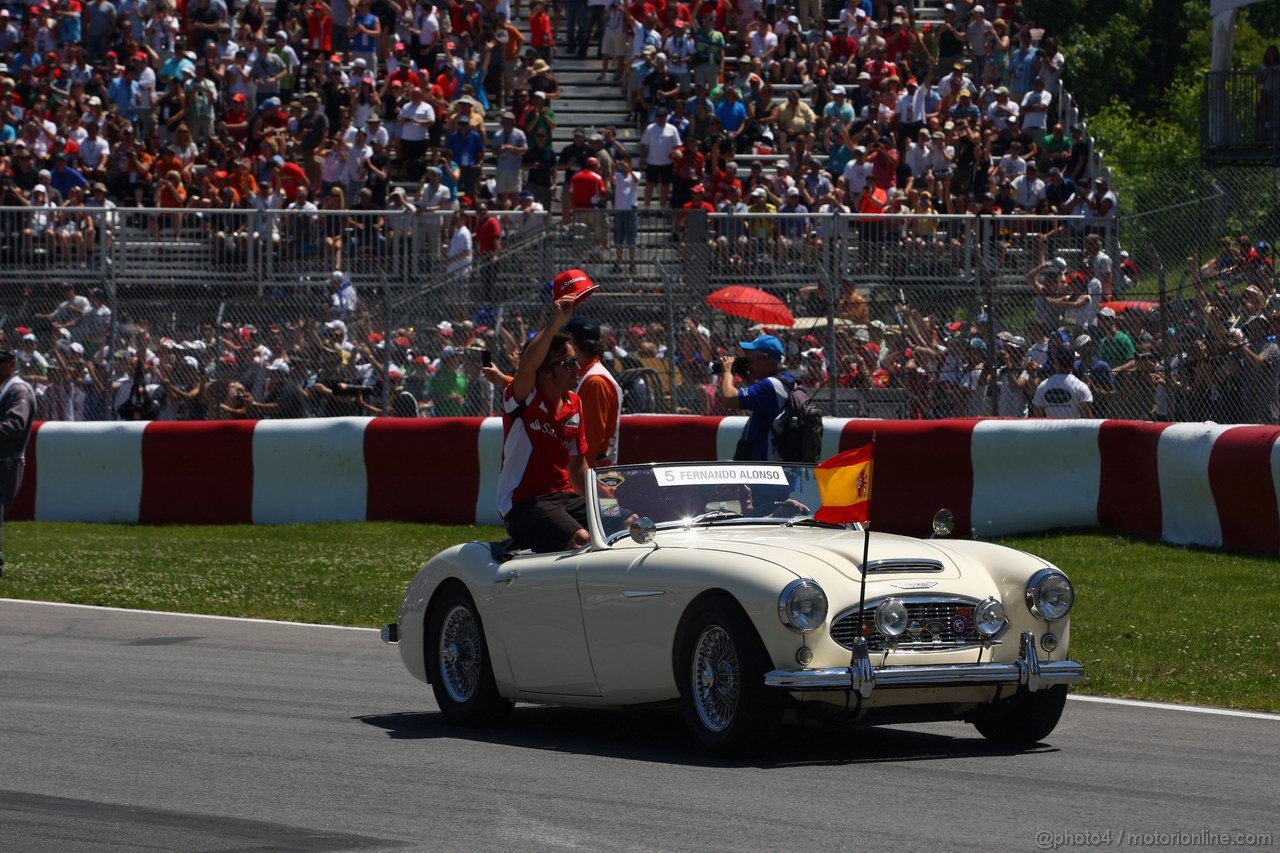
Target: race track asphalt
[(125, 731)]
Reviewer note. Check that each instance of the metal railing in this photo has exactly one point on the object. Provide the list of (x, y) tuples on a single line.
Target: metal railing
[(226, 316), (1240, 112)]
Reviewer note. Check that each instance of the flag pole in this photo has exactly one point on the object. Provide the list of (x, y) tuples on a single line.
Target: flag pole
[(866, 547)]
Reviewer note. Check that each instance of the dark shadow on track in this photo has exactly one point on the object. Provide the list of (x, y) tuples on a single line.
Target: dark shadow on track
[(659, 736)]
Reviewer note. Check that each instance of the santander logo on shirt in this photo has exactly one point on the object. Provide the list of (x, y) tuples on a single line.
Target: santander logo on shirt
[(548, 429)]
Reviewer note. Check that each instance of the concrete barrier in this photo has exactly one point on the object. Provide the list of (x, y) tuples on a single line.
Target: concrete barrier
[(1200, 484)]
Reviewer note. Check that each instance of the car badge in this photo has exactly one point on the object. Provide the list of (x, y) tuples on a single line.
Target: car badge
[(959, 625), (964, 611), (915, 585), (915, 628), (934, 627)]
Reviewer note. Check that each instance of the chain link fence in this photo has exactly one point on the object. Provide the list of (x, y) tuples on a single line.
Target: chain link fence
[(239, 314)]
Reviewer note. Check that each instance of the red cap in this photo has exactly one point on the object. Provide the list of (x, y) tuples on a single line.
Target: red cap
[(111, 54), (573, 283)]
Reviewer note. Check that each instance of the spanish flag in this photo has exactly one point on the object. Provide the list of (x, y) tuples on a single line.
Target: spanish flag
[(844, 481)]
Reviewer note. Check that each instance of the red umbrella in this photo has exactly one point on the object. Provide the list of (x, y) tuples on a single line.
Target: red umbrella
[(1122, 305), (752, 304)]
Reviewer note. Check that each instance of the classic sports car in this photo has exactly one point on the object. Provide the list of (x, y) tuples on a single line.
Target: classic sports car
[(713, 587)]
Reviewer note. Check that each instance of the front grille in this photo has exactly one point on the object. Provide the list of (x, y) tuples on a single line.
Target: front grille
[(929, 625)]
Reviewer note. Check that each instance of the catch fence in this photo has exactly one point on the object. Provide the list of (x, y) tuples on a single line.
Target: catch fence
[(233, 314)]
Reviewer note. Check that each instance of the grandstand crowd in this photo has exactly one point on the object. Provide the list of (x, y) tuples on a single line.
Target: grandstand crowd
[(774, 111)]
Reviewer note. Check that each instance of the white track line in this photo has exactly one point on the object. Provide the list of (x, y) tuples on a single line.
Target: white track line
[(1165, 706), (188, 615), (1075, 697)]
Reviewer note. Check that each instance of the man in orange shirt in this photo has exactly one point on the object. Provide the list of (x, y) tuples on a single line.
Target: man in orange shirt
[(600, 394)]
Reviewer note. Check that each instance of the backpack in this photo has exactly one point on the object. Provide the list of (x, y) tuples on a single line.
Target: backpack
[(797, 430), (638, 385)]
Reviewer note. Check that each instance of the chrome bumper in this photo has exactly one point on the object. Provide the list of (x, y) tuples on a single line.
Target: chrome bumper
[(1027, 671), (391, 633)]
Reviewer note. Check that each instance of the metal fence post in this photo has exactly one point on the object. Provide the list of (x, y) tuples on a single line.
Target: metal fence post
[(386, 345)]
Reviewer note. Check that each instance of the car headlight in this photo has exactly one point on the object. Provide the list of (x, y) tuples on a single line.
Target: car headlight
[(803, 605), (988, 617), (891, 618), (1050, 595)]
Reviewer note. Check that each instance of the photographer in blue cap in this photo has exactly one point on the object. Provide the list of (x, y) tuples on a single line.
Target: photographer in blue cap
[(762, 396)]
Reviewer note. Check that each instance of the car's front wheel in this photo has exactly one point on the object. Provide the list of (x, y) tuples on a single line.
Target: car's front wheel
[(458, 660), (725, 703), (1025, 719)]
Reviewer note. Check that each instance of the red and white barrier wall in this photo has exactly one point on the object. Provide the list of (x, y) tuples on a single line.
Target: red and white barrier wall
[(1198, 484)]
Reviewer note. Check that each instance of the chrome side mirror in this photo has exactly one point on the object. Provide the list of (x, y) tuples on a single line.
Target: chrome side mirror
[(944, 522), (643, 530)]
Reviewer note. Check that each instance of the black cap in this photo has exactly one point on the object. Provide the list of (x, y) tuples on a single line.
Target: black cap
[(583, 329), (6, 354)]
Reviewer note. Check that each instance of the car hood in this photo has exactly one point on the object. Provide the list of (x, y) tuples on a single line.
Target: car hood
[(839, 550)]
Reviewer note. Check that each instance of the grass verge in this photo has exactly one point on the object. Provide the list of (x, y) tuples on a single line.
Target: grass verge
[(1151, 622)]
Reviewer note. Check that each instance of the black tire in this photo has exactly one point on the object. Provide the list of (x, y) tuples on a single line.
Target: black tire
[(457, 658), (720, 671), (1024, 719)]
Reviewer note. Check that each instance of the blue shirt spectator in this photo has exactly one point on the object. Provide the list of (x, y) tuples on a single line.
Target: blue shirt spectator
[(363, 42), (794, 226), (63, 177), (1022, 70), (732, 114), (763, 400), (123, 92), (466, 146)]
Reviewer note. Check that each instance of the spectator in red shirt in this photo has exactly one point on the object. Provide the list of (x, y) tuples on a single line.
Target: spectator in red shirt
[(697, 202), (319, 30), (488, 241), (287, 177), (884, 163), (587, 191), (540, 30)]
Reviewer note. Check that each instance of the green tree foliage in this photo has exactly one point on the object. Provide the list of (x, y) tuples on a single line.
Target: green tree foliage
[(1136, 50)]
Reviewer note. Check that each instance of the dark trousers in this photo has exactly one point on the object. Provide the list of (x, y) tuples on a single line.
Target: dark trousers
[(577, 30), (595, 29), (10, 479)]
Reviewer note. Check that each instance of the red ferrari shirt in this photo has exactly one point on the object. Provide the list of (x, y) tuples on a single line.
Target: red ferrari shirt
[(537, 446)]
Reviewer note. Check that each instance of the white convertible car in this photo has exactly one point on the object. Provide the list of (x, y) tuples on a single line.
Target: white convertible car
[(712, 586)]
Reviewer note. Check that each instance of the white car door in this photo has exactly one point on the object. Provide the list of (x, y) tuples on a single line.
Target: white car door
[(540, 618), (631, 606)]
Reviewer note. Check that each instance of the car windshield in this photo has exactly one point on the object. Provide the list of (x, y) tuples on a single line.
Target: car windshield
[(704, 493)]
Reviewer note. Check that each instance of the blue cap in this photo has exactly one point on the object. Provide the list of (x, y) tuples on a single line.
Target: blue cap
[(767, 344), (583, 329)]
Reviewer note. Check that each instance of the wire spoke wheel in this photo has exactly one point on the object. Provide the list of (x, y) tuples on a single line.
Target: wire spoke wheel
[(717, 678), (460, 654)]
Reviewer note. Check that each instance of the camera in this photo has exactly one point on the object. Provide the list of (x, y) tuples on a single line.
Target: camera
[(486, 358), (738, 368)]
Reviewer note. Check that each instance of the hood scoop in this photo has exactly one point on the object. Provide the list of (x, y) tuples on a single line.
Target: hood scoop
[(903, 566)]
